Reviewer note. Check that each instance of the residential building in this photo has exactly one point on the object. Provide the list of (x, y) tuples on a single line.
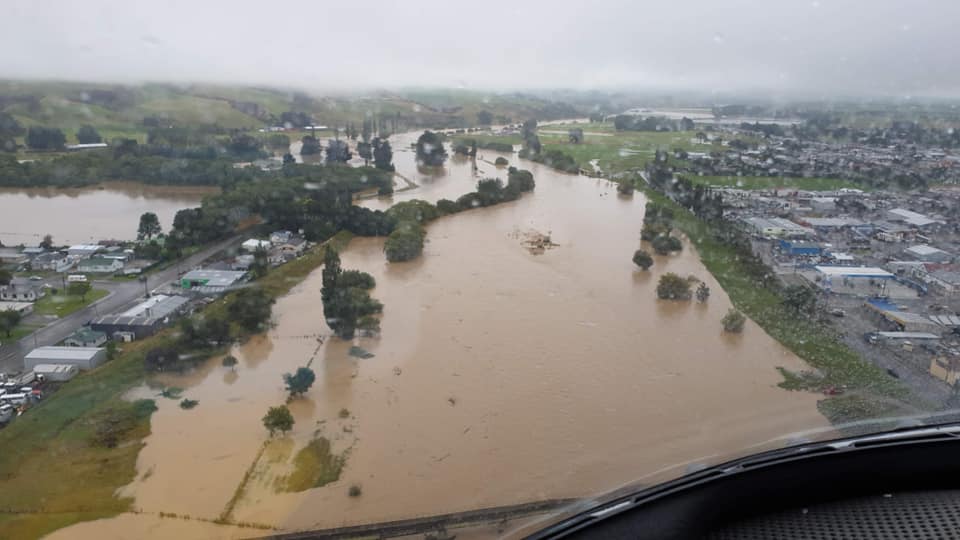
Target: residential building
[(22, 290), (253, 244), (946, 280), (23, 308), (33, 251), (86, 337), (100, 265), (211, 281), (83, 251), (280, 237), (83, 357), (52, 261), (946, 368), (9, 255), (144, 319)]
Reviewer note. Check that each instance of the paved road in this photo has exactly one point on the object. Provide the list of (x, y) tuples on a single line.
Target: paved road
[(122, 294)]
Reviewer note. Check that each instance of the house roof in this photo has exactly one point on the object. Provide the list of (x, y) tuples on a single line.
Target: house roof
[(923, 249), (98, 261), (912, 218), (854, 271), (63, 353)]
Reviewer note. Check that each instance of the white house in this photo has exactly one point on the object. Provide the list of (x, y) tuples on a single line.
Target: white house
[(280, 237), (55, 261), (253, 244), (100, 265), (21, 290)]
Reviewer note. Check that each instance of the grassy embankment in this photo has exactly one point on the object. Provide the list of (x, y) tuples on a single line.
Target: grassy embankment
[(54, 471)]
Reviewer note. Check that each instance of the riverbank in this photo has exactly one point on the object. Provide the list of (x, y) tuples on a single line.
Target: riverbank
[(54, 472)]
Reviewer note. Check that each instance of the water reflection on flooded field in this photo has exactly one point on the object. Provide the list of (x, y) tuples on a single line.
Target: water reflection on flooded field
[(500, 376)]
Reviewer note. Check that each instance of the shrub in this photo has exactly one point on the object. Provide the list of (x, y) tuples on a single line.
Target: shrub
[(355, 491), (642, 259), (501, 162), (733, 321), (673, 287), (665, 244)]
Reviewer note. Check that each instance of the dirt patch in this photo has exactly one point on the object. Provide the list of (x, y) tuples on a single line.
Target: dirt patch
[(535, 242)]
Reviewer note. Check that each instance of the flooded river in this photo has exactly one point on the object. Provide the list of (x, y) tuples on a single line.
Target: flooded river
[(500, 376), (108, 211)]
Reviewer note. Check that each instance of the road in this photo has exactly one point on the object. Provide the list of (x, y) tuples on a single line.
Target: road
[(122, 294)]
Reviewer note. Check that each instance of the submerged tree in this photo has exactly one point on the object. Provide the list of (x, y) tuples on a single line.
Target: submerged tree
[(430, 149), (299, 382), (278, 419), (733, 321), (673, 287), (703, 292), (642, 259), (149, 226)]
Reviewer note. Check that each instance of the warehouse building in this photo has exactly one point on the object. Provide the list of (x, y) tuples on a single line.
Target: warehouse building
[(211, 281), (925, 253), (142, 320), (83, 357)]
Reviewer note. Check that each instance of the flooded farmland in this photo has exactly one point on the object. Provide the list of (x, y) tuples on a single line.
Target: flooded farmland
[(501, 376), (110, 210)]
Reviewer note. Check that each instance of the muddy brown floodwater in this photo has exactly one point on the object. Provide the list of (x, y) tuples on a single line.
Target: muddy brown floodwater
[(500, 377), (107, 211)]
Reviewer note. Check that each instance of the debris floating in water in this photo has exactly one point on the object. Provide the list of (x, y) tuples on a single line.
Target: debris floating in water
[(360, 352)]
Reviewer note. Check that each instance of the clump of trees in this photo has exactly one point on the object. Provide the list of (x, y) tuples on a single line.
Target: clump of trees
[(338, 151), (405, 242), (311, 146), (250, 308), (9, 319), (642, 259), (347, 305), (149, 226), (501, 162), (673, 287), (45, 138), (733, 321), (430, 149), (278, 419), (87, 134), (382, 154), (625, 187)]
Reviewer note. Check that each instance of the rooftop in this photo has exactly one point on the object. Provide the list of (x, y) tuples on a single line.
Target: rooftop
[(156, 307), (214, 278), (912, 218), (854, 271), (923, 249), (64, 353)]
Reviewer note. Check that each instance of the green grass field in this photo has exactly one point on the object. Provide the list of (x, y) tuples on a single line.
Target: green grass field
[(62, 305)]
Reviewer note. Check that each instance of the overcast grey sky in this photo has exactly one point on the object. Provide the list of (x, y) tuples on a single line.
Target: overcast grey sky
[(891, 47)]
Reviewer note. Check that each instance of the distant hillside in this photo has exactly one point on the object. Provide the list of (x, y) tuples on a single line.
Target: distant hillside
[(120, 111)]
